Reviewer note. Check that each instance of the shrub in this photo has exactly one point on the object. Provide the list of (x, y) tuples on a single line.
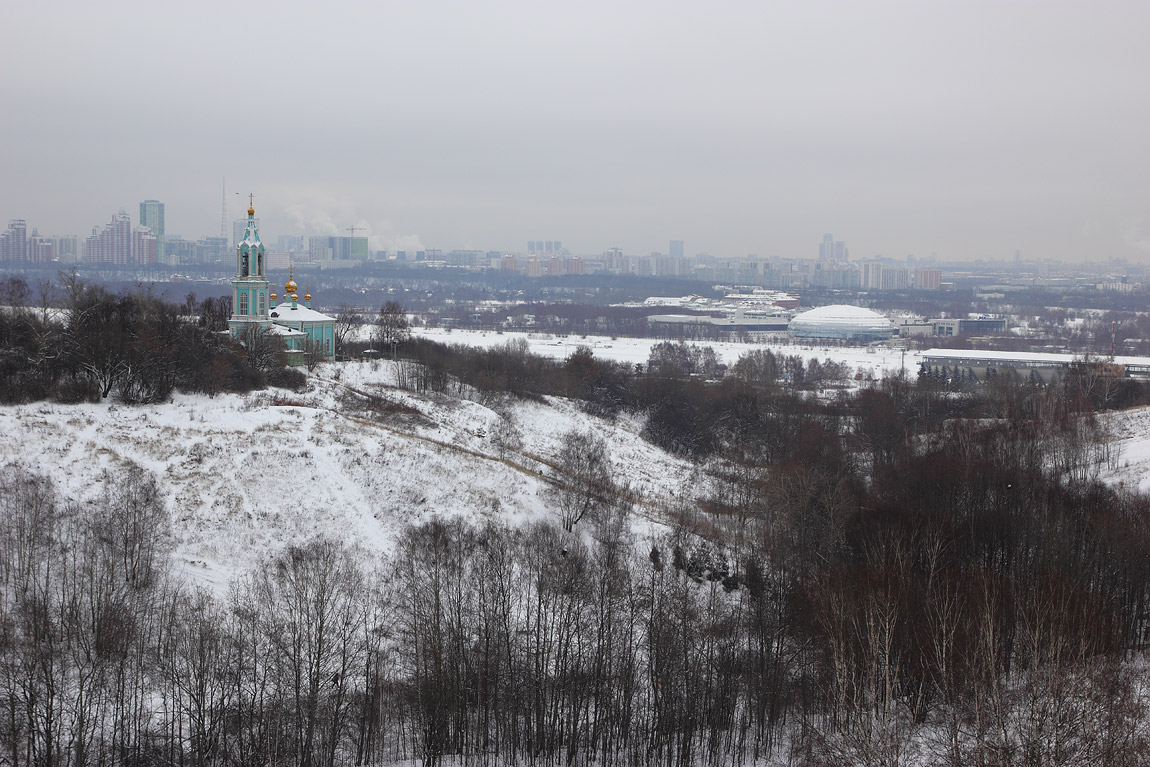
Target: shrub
[(73, 390), (287, 378)]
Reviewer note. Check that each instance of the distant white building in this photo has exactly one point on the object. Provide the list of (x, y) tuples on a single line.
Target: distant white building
[(839, 321)]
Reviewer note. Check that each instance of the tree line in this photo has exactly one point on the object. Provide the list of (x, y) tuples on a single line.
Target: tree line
[(78, 342), (699, 408)]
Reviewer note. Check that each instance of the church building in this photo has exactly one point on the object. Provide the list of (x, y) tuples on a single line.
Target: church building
[(254, 307)]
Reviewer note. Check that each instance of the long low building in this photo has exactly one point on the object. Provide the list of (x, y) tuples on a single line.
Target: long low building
[(952, 327), (982, 364)]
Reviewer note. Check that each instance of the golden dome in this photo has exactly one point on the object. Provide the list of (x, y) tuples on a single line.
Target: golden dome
[(251, 211), (273, 295), (290, 287), (307, 296)]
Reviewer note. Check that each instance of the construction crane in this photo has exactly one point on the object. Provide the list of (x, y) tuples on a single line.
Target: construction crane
[(353, 228)]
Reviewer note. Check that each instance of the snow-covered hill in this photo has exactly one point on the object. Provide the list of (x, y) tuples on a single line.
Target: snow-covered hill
[(246, 475), (1130, 448), (357, 458)]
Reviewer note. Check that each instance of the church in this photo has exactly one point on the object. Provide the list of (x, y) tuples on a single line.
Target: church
[(254, 307)]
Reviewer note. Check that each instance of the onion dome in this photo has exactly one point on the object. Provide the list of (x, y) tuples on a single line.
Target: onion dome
[(273, 295), (290, 288), (307, 296)]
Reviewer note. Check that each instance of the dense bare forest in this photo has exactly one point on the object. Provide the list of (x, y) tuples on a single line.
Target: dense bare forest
[(910, 573), (962, 605)]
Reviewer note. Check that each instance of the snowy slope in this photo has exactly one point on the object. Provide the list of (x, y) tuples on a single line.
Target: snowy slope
[(1130, 429), (1130, 446), (248, 474)]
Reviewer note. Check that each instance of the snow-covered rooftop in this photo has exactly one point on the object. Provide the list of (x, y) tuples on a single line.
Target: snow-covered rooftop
[(841, 321), (842, 313), (299, 312), (1048, 357)]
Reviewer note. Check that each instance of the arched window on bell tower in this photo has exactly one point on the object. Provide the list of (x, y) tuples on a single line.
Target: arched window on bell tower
[(243, 303)]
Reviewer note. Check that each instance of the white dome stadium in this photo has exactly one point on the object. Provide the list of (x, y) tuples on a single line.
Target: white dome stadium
[(847, 323)]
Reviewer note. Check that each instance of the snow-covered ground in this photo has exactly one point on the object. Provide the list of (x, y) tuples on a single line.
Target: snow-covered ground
[(875, 359), (247, 474), (1130, 446)]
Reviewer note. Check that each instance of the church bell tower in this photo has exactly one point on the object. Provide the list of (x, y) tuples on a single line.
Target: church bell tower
[(250, 285)]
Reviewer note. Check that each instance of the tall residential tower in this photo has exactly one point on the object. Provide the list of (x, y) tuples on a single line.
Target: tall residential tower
[(152, 216)]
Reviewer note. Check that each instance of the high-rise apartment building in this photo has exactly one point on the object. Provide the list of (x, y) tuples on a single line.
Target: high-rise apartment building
[(870, 277), (895, 278), (544, 247), (145, 246), (14, 241), (831, 249), (67, 248), (111, 244), (40, 249), (339, 249), (676, 249), (928, 279), (289, 243), (152, 216)]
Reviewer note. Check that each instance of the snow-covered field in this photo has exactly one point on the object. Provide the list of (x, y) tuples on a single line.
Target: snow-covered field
[(248, 474), (875, 359)]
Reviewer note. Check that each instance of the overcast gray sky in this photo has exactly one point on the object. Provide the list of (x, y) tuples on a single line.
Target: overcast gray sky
[(968, 128)]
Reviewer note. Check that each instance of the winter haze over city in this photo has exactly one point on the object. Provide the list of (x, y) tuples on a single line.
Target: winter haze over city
[(513, 383), (970, 130)]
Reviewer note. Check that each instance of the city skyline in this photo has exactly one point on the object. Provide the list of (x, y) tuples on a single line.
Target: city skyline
[(970, 130), (23, 242)]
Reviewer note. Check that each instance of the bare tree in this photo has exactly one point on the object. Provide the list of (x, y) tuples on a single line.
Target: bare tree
[(263, 350), (391, 326), (313, 353), (199, 660), (587, 486), (309, 603), (14, 292), (506, 436), (347, 320)]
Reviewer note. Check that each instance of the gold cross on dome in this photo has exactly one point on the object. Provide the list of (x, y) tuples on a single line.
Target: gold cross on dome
[(251, 200)]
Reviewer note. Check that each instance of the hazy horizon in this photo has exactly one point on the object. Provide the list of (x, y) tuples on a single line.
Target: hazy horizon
[(969, 129)]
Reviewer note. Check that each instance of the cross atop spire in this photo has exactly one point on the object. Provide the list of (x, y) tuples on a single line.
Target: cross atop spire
[(251, 204)]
